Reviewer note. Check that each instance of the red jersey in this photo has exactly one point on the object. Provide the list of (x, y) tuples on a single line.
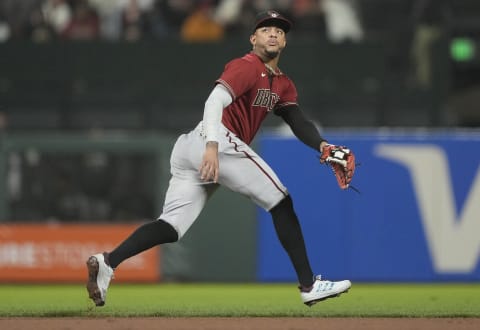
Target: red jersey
[(255, 93)]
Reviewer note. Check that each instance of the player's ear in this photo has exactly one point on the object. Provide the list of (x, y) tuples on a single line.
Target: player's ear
[(253, 39)]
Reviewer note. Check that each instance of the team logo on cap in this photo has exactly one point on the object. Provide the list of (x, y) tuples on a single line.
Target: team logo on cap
[(273, 13)]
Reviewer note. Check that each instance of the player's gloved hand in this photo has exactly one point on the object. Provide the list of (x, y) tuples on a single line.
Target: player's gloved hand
[(341, 160)]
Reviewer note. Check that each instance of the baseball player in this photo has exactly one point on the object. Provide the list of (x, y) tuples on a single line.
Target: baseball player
[(217, 152)]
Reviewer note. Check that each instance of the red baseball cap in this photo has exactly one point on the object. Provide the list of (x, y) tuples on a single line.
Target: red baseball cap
[(272, 18)]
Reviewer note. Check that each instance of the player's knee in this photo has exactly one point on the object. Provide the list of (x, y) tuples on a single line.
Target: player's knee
[(169, 233), (283, 206)]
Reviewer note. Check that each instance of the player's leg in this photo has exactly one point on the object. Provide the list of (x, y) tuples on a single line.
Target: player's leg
[(101, 266), (184, 200), (244, 171), (289, 232), (146, 236), (290, 235), (259, 182), (183, 203)]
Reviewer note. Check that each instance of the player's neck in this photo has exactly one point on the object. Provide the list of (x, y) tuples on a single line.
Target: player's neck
[(271, 69), (271, 63)]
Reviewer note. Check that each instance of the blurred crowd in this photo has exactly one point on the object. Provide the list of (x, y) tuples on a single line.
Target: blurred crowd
[(190, 20)]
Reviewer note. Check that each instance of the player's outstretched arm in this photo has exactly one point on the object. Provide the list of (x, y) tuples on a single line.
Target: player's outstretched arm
[(302, 127)]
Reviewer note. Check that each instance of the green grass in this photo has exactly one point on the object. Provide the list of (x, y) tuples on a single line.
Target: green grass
[(238, 300)]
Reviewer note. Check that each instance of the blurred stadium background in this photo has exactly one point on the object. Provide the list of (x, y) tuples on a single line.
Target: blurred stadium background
[(94, 92)]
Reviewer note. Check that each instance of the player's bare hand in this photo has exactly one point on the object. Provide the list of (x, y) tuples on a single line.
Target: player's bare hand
[(209, 166)]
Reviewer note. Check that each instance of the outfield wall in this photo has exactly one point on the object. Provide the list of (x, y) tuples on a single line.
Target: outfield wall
[(220, 246), (57, 253), (417, 217)]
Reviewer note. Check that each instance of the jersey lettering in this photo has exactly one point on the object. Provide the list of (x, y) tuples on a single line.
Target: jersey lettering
[(265, 98)]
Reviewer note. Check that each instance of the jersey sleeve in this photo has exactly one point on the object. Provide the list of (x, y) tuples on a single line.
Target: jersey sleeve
[(288, 96), (238, 77)]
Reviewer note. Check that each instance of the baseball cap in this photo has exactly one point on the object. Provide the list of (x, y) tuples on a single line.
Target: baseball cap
[(272, 18)]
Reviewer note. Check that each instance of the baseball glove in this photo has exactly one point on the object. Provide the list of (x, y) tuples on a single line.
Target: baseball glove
[(342, 161)]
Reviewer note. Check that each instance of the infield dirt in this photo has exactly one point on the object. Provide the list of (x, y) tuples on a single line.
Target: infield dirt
[(260, 323)]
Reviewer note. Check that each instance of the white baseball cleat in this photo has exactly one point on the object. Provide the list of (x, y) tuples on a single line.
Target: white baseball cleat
[(99, 276), (322, 290)]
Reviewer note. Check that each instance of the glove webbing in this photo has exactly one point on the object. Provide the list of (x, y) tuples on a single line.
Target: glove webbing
[(344, 164)]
